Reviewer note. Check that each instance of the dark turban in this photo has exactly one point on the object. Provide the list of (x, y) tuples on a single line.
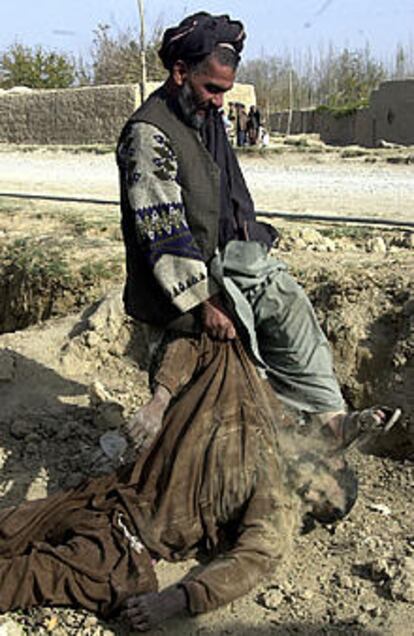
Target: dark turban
[(198, 35)]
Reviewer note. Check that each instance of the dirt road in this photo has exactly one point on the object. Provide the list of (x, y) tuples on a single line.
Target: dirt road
[(296, 182)]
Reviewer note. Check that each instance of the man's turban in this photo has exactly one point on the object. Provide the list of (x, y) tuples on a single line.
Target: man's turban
[(198, 35)]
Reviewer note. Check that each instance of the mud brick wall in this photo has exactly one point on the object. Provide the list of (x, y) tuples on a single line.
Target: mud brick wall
[(303, 121), (72, 116), (393, 111), (89, 115), (365, 128), (338, 131), (390, 116), (274, 122)]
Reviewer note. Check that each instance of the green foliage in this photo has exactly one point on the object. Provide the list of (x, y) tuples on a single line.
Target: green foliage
[(355, 232), (351, 77), (35, 68), (99, 270), (35, 259), (77, 224), (338, 112)]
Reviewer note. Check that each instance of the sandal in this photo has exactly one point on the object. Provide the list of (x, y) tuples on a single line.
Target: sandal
[(357, 427)]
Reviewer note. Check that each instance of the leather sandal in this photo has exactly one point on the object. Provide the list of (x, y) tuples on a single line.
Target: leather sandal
[(358, 426)]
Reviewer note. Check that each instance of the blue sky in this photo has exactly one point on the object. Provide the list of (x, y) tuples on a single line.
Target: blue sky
[(273, 26)]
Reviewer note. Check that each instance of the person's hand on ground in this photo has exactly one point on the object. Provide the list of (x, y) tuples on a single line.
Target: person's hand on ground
[(145, 424), (216, 321), (146, 611)]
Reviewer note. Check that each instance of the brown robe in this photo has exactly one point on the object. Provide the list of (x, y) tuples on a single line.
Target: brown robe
[(212, 485)]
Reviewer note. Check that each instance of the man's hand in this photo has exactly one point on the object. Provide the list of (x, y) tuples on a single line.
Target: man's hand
[(147, 421), (216, 321), (146, 611)]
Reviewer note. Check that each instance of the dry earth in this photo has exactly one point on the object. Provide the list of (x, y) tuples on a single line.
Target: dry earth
[(57, 258)]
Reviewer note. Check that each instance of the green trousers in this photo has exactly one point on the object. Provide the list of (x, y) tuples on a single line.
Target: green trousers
[(280, 323)]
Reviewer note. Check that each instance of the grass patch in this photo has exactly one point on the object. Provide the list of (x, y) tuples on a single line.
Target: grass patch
[(9, 207), (37, 259), (76, 224), (357, 233), (100, 270)]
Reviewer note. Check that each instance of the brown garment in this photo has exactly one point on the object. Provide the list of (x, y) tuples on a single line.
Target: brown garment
[(211, 485), (64, 551), (242, 120)]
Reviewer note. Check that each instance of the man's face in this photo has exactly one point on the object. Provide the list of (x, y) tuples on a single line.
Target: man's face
[(204, 89)]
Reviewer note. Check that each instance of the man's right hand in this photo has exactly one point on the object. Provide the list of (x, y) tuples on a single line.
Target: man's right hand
[(216, 321)]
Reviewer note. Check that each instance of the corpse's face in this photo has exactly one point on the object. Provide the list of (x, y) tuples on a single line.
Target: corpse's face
[(201, 90)]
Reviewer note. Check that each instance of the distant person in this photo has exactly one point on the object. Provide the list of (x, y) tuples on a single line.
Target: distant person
[(232, 117), (241, 125), (232, 112), (228, 126), (253, 125)]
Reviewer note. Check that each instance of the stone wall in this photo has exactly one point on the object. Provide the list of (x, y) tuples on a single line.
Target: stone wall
[(89, 115)]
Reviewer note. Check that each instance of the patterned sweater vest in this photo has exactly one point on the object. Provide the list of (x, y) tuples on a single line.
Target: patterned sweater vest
[(199, 179), (198, 175)]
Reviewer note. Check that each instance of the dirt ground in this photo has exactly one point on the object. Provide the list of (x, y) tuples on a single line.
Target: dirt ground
[(72, 368)]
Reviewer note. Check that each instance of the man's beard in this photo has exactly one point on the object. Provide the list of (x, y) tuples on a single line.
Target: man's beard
[(189, 107)]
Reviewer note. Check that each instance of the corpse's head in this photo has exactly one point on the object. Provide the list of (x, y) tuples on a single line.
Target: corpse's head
[(328, 488)]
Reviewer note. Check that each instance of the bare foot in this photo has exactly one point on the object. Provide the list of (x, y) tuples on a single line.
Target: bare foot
[(146, 611), (145, 424)]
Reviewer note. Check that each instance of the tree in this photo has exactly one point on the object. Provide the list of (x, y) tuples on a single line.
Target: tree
[(333, 78), (116, 58), (270, 76), (356, 75), (35, 68)]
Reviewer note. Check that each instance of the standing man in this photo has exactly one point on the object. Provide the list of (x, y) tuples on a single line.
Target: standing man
[(242, 125), (253, 125), (196, 256)]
